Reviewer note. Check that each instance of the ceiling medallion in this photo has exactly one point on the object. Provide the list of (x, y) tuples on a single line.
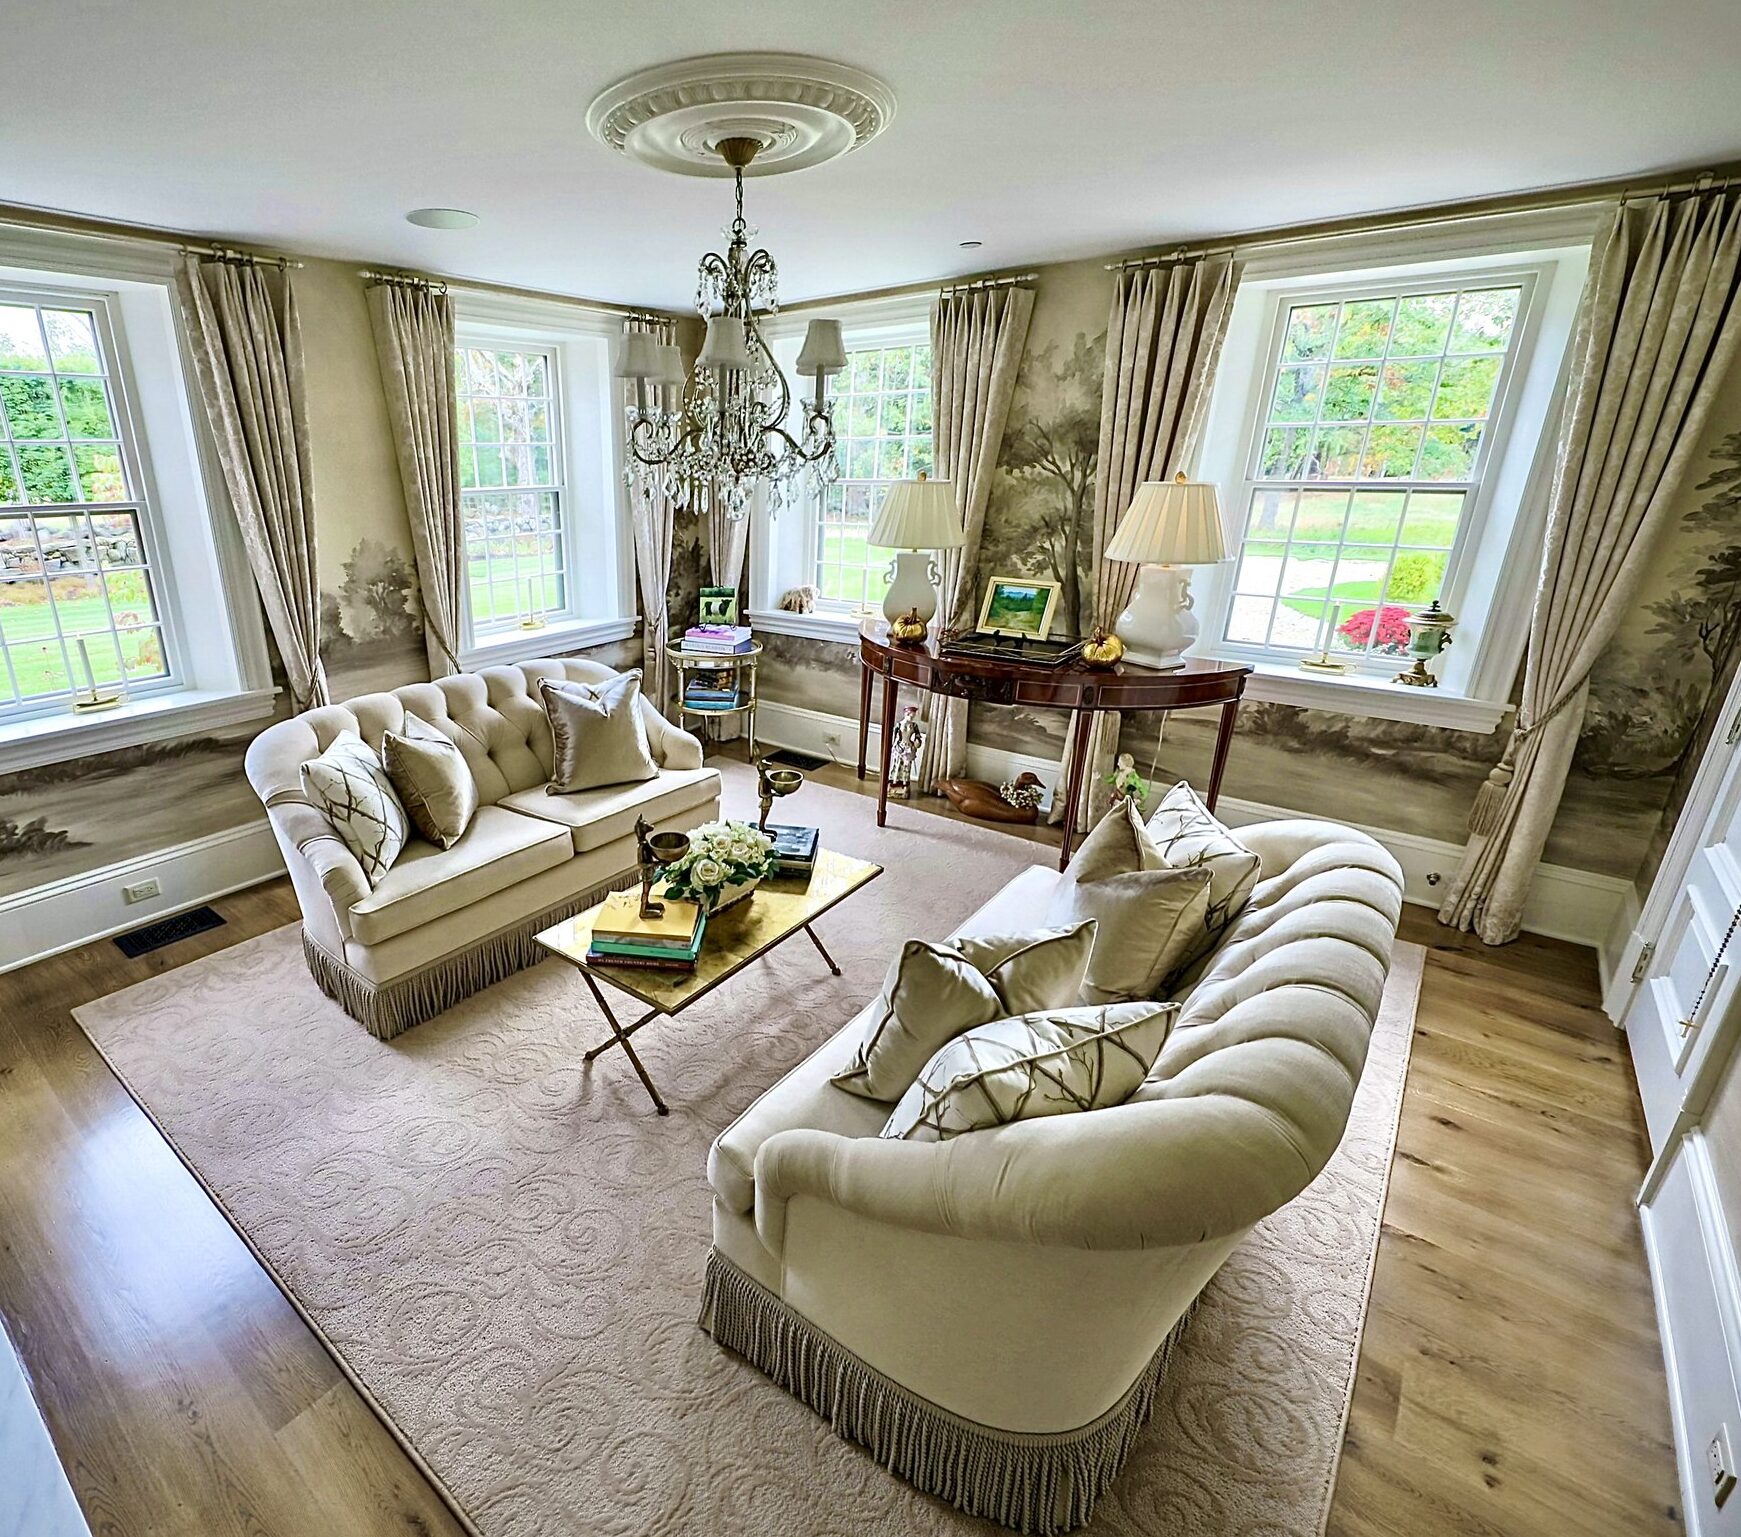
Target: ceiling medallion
[(802, 112), (730, 429)]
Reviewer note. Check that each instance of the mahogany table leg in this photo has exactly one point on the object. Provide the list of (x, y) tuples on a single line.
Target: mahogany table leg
[(1223, 741), (1082, 735), (891, 698), (864, 698)]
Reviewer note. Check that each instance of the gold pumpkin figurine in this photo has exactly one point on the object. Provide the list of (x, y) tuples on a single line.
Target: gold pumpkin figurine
[(1102, 648), (908, 630)]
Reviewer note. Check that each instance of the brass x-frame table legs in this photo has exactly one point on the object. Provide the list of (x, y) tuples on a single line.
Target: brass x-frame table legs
[(620, 1032)]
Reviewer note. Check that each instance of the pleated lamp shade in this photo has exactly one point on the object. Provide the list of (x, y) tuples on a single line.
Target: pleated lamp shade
[(639, 356), (1171, 523), (918, 515)]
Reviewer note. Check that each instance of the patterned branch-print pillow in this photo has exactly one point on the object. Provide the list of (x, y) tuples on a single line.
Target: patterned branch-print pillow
[(348, 782), (935, 991), (1188, 837), (1053, 1063)]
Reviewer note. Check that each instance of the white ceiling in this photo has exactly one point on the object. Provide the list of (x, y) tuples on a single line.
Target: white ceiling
[(1045, 130)]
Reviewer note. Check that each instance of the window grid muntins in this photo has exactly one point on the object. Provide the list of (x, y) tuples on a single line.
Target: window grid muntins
[(1367, 456), (511, 480), (882, 416), (78, 600)]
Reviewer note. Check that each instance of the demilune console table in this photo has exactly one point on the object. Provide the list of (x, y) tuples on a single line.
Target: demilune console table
[(1075, 687)]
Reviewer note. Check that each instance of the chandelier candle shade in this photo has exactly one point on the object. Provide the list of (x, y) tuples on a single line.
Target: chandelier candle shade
[(916, 516), (1171, 524)]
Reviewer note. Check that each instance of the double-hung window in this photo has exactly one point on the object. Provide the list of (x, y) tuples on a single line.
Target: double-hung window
[(882, 423), (81, 608), (1381, 432), (511, 477), (543, 514), (1373, 432), (882, 428)]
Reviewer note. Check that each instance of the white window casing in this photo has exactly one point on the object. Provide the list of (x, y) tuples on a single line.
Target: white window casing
[(216, 669), (786, 545), (1490, 573), (587, 439)]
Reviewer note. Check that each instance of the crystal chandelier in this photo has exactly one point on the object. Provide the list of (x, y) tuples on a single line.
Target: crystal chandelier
[(731, 432)]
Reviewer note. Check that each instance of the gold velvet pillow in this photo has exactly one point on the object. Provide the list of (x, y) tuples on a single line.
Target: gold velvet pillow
[(597, 733), (430, 775), (1150, 917), (935, 991)]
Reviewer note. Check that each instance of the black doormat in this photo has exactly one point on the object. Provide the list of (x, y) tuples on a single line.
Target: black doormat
[(154, 936), (786, 757)]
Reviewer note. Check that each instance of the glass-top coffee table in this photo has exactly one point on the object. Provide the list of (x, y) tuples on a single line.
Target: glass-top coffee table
[(775, 911)]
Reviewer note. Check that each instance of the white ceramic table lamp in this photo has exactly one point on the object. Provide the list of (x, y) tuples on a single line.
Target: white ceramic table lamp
[(1171, 524), (917, 516)]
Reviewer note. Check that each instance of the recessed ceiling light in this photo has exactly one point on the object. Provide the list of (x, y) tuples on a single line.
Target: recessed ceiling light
[(971, 245), (441, 218)]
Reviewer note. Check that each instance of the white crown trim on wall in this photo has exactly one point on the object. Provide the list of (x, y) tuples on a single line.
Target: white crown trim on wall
[(804, 110)]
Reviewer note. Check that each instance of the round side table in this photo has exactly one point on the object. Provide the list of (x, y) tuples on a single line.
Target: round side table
[(741, 665)]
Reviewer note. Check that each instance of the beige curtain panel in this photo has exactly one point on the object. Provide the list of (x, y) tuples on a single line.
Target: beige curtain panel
[(977, 338), (654, 517), (247, 354), (1163, 340), (413, 325), (1657, 332), (727, 547)]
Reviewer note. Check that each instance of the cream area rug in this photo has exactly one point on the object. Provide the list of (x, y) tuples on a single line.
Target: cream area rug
[(504, 1249)]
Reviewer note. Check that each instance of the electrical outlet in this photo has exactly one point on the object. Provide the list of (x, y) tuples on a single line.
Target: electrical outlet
[(1720, 1465), (142, 891)]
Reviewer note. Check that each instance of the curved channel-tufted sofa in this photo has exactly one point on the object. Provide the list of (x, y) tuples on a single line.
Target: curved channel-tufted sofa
[(991, 1314), (444, 923)]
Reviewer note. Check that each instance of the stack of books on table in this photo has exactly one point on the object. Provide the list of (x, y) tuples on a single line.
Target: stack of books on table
[(794, 848), (718, 639), (622, 937), (712, 690)]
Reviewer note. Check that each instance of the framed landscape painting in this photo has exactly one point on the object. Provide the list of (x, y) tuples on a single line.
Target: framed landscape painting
[(1019, 606), (719, 605)]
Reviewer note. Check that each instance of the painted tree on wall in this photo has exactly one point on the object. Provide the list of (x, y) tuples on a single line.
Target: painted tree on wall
[(376, 599), (1039, 523)]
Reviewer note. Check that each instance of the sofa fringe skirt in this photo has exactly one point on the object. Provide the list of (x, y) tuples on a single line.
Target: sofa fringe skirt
[(387, 1009), (1028, 1482)]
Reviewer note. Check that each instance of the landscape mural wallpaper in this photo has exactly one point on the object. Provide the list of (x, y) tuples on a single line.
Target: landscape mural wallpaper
[(1654, 696)]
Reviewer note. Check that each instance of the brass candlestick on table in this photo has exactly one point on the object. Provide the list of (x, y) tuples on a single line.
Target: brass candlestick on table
[(655, 850)]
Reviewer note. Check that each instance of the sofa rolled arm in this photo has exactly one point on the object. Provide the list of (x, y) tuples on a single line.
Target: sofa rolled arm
[(674, 747), (308, 830), (1133, 1176)]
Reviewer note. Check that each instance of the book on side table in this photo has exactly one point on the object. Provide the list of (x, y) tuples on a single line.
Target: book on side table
[(669, 942)]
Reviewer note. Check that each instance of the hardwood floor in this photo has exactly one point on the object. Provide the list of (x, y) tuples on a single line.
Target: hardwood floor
[(1510, 1380)]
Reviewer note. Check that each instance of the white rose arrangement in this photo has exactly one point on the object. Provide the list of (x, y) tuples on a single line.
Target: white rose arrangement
[(721, 855)]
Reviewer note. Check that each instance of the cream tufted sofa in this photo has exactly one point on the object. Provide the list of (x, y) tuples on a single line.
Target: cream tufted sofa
[(991, 1314), (443, 924)]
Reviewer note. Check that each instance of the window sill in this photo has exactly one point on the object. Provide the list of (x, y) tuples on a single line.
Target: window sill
[(840, 628), (1352, 694), (44, 739), (549, 640)]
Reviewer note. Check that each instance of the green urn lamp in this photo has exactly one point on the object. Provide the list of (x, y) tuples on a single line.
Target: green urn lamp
[(1429, 634)]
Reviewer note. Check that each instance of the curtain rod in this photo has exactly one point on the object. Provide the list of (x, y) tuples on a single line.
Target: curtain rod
[(230, 256), (1587, 196), (403, 280), (991, 282)]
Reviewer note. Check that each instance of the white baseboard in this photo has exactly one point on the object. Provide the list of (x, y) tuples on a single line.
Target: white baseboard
[(1564, 903), (73, 911)]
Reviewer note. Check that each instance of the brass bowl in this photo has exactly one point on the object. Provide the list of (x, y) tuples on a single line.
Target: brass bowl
[(783, 781), (668, 847)]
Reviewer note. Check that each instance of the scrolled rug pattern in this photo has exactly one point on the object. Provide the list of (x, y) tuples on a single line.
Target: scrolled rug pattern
[(505, 1249)]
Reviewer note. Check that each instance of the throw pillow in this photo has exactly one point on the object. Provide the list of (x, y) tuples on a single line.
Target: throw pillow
[(597, 733), (1187, 836), (1040, 1064), (935, 991), (1149, 917), (348, 782), (429, 774)]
